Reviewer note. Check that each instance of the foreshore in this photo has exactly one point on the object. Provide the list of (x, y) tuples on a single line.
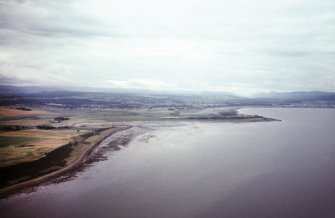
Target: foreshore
[(78, 161)]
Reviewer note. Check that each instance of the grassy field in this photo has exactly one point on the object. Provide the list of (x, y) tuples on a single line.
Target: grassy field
[(27, 145)]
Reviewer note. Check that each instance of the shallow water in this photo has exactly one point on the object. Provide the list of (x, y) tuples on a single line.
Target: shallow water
[(203, 169)]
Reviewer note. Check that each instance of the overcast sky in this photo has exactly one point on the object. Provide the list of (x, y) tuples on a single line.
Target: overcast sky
[(237, 46)]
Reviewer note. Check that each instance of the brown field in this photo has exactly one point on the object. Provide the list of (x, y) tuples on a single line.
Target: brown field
[(12, 112), (38, 133), (25, 122)]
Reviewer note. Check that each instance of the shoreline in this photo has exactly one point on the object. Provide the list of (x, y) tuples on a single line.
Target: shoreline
[(7, 191), (80, 159), (229, 120)]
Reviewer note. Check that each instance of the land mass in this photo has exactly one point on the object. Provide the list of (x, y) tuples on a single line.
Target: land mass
[(44, 136)]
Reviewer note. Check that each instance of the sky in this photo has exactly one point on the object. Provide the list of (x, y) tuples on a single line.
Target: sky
[(241, 46)]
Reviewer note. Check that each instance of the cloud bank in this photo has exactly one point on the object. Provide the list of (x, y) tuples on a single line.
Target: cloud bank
[(215, 45)]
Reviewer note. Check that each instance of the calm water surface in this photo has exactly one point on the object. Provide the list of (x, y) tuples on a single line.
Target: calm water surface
[(203, 169)]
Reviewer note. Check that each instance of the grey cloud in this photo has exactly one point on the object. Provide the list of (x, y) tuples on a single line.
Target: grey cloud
[(240, 46), (49, 19), (10, 81)]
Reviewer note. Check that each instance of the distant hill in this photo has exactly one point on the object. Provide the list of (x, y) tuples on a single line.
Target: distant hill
[(75, 97), (299, 96), (56, 91), (10, 89)]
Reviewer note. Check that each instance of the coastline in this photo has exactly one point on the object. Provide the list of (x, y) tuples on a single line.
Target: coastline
[(80, 158), (4, 192)]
